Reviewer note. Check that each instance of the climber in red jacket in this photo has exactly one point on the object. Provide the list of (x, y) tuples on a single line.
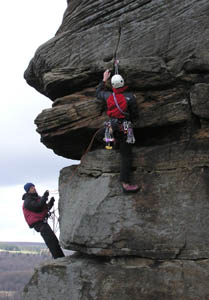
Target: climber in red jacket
[(35, 210), (122, 109)]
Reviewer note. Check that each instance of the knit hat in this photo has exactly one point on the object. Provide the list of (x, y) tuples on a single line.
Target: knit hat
[(27, 186)]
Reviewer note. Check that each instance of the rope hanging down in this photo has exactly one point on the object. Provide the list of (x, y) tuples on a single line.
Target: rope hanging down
[(116, 63), (55, 220), (82, 158)]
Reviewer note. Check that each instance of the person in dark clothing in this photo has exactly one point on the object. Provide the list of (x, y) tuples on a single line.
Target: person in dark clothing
[(36, 210), (121, 107)]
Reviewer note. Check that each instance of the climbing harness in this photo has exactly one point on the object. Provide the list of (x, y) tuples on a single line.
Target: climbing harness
[(127, 128), (118, 125)]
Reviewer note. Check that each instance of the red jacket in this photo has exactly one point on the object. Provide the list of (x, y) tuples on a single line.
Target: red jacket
[(32, 217), (112, 110), (34, 208), (103, 95)]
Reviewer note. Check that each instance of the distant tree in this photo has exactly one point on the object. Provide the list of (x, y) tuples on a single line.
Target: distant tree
[(9, 247), (15, 271)]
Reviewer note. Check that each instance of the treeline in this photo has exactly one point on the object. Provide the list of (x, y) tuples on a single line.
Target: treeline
[(16, 269), (22, 247)]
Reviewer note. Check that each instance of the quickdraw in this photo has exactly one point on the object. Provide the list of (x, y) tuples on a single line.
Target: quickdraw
[(116, 63), (128, 130), (108, 138)]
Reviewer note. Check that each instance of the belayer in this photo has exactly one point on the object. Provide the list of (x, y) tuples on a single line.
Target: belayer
[(122, 110), (36, 211)]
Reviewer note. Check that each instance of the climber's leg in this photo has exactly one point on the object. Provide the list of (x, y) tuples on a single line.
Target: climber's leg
[(50, 239), (125, 167)]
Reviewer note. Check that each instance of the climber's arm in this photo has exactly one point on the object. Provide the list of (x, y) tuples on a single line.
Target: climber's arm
[(101, 94)]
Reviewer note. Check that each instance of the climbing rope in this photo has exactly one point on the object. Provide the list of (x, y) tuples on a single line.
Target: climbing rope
[(55, 221), (81, 160), (54, 192), (116, 63), (85, 153), (53, 216)]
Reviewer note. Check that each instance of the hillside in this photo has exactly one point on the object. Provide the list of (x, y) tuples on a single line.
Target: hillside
[(17, 263), (22, 246)]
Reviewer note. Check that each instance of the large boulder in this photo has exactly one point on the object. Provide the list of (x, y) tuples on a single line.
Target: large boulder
[(167, 218), (86, 278)]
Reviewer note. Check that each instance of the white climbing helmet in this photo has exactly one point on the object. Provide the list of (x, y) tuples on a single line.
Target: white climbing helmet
[(117, 81)]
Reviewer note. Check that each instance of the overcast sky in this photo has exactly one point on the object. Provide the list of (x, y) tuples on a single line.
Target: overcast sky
[(25, 25)]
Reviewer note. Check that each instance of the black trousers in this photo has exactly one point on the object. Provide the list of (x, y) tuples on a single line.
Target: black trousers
[(49, 238), (126, 157), (125, 150)]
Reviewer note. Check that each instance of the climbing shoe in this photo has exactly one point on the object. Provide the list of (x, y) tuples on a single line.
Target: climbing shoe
[(129, 188)]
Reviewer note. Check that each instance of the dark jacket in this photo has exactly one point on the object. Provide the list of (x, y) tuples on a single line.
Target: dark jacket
[(35, 208), (103, 96)]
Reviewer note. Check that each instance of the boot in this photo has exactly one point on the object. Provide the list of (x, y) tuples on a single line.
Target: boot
[(129, 188)]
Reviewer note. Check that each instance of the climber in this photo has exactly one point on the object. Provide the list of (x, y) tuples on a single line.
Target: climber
[(36, 212), (122, 109)]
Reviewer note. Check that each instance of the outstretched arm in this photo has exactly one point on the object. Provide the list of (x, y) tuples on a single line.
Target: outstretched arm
[(100, 93), (106, 75)]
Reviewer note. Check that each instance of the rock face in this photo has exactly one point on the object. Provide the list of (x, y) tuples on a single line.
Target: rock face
[(154, 244), (121, 278), (167, 219)]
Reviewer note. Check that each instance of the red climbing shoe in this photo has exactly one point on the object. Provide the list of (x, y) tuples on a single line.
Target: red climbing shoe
[(129, 188)]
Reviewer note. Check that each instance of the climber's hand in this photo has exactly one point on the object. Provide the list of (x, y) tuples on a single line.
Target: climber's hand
[(51, 202), (46, 194), (106, 75)]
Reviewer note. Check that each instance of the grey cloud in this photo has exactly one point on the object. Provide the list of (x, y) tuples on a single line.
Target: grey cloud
[(32, 162)]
